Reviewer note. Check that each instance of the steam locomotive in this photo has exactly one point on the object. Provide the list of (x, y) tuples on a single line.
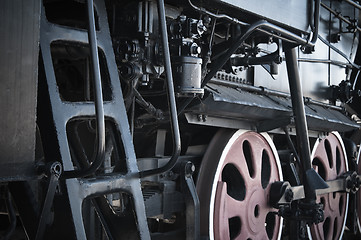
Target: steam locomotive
[(189, 119)]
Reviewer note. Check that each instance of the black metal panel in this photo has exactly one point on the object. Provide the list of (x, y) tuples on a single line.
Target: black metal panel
[(325, 119), (255, 108), (234, 103), (19, 41), (294, 14)]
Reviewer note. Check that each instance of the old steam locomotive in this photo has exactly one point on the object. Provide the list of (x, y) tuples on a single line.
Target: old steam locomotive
[(189, 119)]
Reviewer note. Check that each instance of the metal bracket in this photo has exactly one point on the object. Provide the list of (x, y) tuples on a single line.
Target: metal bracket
[(284, 197), (268, 125), (312, 213), (283, 193), (186, 170), (53, 171)]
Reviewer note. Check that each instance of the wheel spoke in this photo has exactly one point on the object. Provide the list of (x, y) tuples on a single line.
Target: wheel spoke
[(237, 157), (327, 209), (256, 160), (262, 234), (274, 175), (322, 163), (332, 171), (331, 229), (340, 197), (320, 230), (339, 221), (245, 229), (247, 234), (228, 206)]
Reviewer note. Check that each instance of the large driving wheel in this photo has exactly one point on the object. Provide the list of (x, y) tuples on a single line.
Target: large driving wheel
[(234, 186), (358, 194), (330, 161)]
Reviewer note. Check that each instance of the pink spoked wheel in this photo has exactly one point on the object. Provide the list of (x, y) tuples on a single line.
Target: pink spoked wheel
[(358, 194), (234, 187), (330, 161)]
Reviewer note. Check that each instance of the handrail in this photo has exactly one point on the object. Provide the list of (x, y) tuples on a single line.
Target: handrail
[(171, 98), (316, 21), (97, 158)]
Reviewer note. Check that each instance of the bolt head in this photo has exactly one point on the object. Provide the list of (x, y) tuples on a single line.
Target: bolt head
[(190, 168)]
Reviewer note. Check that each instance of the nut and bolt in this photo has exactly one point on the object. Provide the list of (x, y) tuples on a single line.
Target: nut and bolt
[(288, 195)]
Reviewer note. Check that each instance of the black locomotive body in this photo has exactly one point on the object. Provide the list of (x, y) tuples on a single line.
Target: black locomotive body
[(163, 119)]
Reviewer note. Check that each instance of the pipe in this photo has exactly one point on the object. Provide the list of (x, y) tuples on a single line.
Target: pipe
[(217, 16), (333, 62), (234, 20), (267, 59), (98, 157), (300, 119), (157, 113), (339, 16), (293, 148), (260, 24), (358, 6), (339, 52), (316, 21), (207, 58), (171, 98)]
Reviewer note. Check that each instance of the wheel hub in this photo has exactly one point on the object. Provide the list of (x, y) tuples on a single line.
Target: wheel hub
[(255, 211)]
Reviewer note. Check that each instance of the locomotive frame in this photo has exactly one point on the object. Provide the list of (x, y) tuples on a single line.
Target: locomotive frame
[(183, 120)]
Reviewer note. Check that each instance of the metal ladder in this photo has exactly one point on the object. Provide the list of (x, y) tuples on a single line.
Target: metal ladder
[(62, 112)]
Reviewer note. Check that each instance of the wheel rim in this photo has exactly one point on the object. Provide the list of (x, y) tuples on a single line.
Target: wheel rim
[(241, 172), (329, 160)]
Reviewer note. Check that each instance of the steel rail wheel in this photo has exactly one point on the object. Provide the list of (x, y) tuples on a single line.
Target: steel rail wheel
[(358, 196), (330, 161), (234, 186)]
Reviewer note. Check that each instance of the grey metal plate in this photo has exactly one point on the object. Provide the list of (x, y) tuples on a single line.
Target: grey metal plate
[(19, 40), (318, 76), (292, 13)]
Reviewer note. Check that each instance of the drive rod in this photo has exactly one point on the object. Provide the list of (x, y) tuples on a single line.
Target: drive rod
[(300, 120)]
